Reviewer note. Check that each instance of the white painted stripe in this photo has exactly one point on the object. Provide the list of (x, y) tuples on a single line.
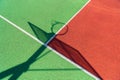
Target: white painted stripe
[(69, 21), (22, 30)]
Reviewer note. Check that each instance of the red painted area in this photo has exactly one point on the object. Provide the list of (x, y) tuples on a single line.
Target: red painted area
[(95, 32)]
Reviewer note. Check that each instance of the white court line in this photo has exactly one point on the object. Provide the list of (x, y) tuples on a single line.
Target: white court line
[(25, 32), (69, 20), (22, 30)]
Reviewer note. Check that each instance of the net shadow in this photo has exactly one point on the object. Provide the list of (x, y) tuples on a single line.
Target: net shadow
[(40, 34)]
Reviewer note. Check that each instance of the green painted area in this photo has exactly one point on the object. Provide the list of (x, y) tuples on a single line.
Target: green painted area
[(40, 12), (17, 49)]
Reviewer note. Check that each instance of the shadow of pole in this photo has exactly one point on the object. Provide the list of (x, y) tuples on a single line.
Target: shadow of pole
[(21, 68)]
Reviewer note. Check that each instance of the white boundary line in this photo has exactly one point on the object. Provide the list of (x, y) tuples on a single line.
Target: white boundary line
[(69, 20), (28, 34), (22, 30)]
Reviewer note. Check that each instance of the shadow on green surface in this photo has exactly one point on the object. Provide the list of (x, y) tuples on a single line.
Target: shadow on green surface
[(19, 69), (41, 34)]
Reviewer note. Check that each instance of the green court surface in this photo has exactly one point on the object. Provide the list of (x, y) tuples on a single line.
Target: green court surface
[(22, 56), (16, 48), (42, 13)]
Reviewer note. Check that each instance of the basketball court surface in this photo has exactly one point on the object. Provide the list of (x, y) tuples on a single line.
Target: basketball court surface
[(59, 40)]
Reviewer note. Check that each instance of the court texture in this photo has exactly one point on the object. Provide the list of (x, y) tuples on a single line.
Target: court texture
[(59, 40)]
